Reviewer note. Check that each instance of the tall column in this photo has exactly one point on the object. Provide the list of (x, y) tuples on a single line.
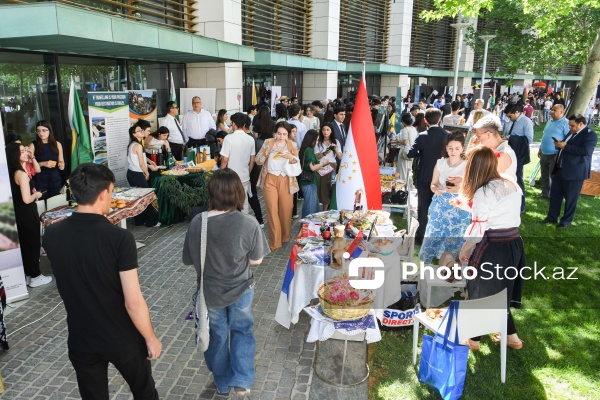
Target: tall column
[(221, 20), (326, 29), (389, 84), (325, 25), (319, 85), (400, 29)]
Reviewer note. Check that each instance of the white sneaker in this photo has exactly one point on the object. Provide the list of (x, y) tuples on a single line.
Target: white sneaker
[(27, 279), (40, 281), (157, 225), (295, 216)]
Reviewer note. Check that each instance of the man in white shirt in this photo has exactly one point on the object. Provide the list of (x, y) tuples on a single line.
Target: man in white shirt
[(478, 106), (547, 106), (294, 111), (453, 118), (196, 123), (238, 152), (177, 138)]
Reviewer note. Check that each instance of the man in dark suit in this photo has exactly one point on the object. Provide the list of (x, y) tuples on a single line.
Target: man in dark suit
[(427, 149), (339, 114), (572, 167)]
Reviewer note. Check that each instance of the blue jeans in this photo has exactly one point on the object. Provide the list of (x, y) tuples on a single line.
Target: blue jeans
[(311, 201), (230, 354)]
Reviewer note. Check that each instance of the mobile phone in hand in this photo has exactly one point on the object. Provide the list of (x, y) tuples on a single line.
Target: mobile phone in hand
[(555, 139)]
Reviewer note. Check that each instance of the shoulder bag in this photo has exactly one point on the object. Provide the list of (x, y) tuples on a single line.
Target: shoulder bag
[(443, 365), (306, 176), (198, 301), (292, 169)]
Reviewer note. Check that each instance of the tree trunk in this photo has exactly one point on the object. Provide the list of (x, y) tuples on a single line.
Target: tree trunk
[(590, 75)]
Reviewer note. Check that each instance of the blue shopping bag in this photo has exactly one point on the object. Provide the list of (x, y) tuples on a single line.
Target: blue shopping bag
[(443, 363)]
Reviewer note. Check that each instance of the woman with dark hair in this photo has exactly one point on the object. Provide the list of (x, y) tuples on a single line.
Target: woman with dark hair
[(328, 151), (278, 187), (137, 171), (419, 123), (234, 242), (281, 112), (311, 163), (26, 214), (493, 237), (49, 154), (158, 139), (222, 121), (446, 223), (263, 127)]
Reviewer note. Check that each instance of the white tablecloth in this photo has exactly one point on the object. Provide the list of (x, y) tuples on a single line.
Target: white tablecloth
[(307, 278), (324, 329)]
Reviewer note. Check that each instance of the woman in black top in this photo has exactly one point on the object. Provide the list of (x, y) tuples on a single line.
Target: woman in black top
[(26, 214), (49, 154)]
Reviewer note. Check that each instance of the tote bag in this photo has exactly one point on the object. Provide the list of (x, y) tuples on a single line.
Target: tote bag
[(443, 363)]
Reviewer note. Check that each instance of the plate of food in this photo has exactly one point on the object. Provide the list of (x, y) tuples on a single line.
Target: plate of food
[(435, 314)]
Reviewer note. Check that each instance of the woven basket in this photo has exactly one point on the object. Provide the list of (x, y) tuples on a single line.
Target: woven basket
[(342, 312)]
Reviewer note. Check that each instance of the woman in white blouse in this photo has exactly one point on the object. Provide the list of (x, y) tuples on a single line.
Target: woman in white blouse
[(158, 139), (493, 244), (328, 148), (278, 187)]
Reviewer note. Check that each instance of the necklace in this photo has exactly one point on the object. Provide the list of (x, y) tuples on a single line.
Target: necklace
[(278, 147)]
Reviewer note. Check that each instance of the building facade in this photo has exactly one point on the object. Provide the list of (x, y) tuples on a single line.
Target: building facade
[(314, 49)]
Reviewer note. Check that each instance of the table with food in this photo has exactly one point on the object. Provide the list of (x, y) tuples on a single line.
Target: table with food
[(126, 202), (318, 268), (179, 189)]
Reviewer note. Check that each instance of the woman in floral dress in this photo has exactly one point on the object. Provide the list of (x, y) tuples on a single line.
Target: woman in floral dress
[(447, 224)]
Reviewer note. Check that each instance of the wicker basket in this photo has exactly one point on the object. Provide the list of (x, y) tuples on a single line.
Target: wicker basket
[(342, 312)]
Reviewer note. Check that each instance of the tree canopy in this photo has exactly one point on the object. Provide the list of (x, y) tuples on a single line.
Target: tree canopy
[(541, 36)]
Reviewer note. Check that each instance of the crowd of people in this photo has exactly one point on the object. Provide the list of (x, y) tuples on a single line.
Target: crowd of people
[(469, 184)]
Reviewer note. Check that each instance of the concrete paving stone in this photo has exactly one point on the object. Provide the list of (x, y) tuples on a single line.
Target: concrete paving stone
[(300, 396), (274, 375), (208, 394), (302, 379), (286, 382), (177, 390)]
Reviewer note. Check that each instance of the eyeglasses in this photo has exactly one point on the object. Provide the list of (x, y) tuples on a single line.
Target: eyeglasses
[(138, 131), (174, 107)]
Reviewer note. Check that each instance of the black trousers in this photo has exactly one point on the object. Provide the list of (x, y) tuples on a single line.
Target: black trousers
[(196, 142), (92, 373), (253, 201), (49, 182), (28, 226), (149, 217), (520, 145), (177, 150), (561, 189), (424, 201)]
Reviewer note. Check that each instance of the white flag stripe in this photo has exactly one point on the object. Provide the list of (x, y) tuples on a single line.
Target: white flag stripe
[(350, 178)]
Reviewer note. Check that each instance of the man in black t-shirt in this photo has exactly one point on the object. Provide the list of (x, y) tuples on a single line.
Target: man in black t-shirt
[(95, 265)]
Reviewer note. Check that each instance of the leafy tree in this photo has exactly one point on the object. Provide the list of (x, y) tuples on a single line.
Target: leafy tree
[(539, 35)]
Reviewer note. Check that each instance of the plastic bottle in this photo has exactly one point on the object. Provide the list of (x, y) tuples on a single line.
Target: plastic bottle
[(198, 156), (161, 157)]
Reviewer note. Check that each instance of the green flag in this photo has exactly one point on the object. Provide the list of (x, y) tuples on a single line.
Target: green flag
[(81, 149)]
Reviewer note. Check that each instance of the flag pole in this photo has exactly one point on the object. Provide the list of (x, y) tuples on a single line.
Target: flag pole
[(73, 132)]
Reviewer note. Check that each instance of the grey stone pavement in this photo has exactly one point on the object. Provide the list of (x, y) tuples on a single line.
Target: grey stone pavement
[(37, 366)]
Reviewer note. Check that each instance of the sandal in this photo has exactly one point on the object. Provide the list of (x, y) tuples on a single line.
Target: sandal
[(473, 345), (513, 345)]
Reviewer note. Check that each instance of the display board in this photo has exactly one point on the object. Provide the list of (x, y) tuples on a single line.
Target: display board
[(109, 114), (11, 263), (207, 95), (142, 105), (275, 95)]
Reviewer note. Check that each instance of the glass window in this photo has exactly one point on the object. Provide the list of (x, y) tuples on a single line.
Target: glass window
[(28, 93), (145, 76)]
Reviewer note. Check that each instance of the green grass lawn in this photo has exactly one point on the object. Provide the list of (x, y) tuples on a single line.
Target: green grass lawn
[(538, 132), (559, 323)]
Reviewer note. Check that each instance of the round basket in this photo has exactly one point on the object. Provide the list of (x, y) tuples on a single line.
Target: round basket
[(342, 312)]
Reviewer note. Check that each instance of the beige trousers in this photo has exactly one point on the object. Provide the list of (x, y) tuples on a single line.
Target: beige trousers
[(279, 203)]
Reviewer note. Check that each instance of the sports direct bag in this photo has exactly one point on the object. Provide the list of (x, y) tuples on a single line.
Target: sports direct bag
[(443, 363), (400, 314)]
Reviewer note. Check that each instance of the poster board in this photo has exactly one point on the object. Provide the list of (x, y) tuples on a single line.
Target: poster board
[(275, 95), (11, 263), (109, 114), (142, 105), (207, 95)]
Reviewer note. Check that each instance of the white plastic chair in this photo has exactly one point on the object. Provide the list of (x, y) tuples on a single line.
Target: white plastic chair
[(475, 318), (56, 201)]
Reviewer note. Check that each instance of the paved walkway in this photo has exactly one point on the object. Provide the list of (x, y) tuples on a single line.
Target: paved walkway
[(37, 366)]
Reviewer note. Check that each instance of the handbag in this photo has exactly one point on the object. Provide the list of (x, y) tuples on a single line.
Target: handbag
[(293, 169), (198, 301), (443, 364), (306, 176), (400, 197)]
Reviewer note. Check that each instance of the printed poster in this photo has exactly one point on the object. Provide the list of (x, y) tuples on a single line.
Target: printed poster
[(275, 95), (142, 105), (109, 127), (11, 263)]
